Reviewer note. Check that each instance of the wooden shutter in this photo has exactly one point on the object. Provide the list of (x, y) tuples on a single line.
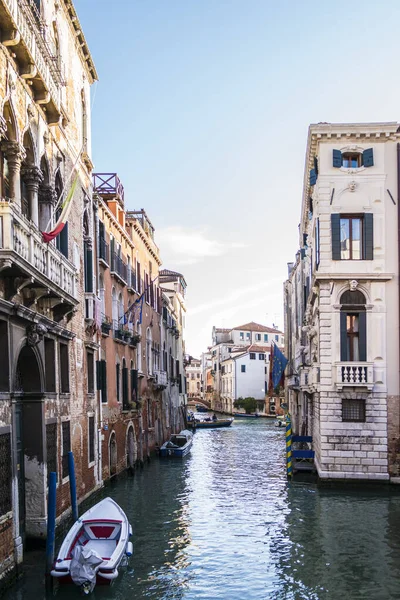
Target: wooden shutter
[(337, 159), (313, 177), (362, 335), (368, 236), (335, 232), (103, 381), (88, 263), (316, 165), (112, 254), (343, 336), (125, 403), (368, 157), (134, 385), (138, 280), (64, 240)]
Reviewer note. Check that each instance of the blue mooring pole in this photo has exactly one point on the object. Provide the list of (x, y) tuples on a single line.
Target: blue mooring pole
[(72, 485), (51, 522)]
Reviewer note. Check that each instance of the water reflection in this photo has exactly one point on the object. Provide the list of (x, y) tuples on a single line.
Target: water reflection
[(224, 523)]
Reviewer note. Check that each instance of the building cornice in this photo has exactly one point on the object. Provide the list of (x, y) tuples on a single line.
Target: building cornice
[(360, 277), (81, 41)]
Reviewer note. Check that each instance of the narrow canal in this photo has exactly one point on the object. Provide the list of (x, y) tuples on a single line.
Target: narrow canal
[(223, 523)]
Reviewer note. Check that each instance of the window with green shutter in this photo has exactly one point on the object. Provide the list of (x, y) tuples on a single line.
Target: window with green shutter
[(353, 160)]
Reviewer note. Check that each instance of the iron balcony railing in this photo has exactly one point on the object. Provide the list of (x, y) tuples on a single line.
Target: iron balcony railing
[(104, 251), (118, 266), (108, 184)]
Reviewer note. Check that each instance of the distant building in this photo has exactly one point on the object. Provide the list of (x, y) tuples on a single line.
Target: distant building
[(193, 378), (229, 383)]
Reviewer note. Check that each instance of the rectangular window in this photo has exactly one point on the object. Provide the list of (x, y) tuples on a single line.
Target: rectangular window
[(51, 448), (252, 356), (5, 473), (64, 369), (261, 357), (265, 337), (66, 447), (277, 338), (352, 329), (241, 335), (91, 439), (353, 410), (50, 365), (90, 371), (258, 337), (248, 336), (243, 368), (351, 238)]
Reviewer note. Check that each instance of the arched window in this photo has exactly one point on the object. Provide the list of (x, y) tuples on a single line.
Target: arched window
[(114, 308), (120, 309), (117, 380), (139, 347), (149, 362), (353, 327), (62, 238)]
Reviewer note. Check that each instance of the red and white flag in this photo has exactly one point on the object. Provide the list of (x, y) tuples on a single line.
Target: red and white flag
[(62, 219)]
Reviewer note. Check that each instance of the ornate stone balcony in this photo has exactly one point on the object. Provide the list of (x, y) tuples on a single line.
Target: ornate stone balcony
[(355, 374), (30, 266), (23, 30), (160, 379)]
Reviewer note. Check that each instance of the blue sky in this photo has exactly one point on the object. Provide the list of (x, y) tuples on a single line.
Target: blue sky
[(202, 108)]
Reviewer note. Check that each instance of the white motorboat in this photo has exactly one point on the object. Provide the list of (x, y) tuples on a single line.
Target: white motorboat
[(94, 547)]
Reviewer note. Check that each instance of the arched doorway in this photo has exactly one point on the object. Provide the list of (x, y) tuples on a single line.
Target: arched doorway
[(30, 445), (131, 449)]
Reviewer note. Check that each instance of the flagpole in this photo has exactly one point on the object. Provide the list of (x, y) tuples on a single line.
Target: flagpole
[(139, 299)]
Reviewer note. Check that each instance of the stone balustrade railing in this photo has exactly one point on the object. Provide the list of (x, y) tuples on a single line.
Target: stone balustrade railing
[(355, 374), (21, 238)]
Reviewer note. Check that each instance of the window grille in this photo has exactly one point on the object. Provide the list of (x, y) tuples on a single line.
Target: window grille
[(353, 410)]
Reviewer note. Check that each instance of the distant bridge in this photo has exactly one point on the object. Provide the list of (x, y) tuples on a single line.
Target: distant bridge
[(193, 401)]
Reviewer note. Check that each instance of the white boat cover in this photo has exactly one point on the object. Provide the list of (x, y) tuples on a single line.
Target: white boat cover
[(85, 563)]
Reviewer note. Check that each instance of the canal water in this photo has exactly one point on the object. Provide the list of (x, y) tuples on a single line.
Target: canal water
[(224, 523)]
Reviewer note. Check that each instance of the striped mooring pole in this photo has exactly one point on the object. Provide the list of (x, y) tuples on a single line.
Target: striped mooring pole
[(288, 445)]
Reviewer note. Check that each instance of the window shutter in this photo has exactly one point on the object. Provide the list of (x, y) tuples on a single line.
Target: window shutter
[(362, 335), (316, 165), (112, 254), (64, 240), (103, 381), (88, 260), (368, 157), (368, 236), (343, 337), (98, 374), (335, 231), (313, 177), (134, 385), (337, 159), (125, 403)]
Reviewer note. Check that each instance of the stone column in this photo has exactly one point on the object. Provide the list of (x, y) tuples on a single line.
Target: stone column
[(15, 155), (47, 200), (32, 177), (3, 128)]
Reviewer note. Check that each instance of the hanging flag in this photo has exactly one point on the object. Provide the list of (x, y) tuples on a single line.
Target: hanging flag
[(271, 362), (279, 363), (136, 305), (65, 209)]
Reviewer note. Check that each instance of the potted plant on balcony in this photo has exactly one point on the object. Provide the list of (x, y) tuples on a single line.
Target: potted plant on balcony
[(135, 338), (106, 325)]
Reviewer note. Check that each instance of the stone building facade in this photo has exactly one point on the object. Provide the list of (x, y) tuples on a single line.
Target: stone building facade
[(342, 302), (48, 406), (193, 378)]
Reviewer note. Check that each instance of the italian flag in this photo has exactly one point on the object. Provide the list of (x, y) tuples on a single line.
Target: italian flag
[(65, 208)]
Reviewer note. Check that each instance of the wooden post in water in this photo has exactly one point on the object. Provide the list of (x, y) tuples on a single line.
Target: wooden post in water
[(51, 524), (72, 485), (288, 445)]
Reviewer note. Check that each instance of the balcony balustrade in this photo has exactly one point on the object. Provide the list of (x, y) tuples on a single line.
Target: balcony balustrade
[(23, 252), (160, 379), (108, 184), (355, 374)]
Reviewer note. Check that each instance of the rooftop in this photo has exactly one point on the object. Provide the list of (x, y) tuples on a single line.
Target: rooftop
[(252, 326)]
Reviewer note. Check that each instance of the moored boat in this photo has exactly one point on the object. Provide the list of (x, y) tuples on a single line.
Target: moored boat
[(179, 444), (210, 423), (246, 416), (280, 421), (94, 547)]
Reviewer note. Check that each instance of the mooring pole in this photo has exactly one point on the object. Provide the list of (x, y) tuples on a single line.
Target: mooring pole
[(51, 522), (72, 485), (288, 445)]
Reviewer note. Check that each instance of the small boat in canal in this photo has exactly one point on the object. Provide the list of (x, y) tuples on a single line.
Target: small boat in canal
[(210, 423), (179, 444), (246, 416), (280, 421), (95, 546)]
